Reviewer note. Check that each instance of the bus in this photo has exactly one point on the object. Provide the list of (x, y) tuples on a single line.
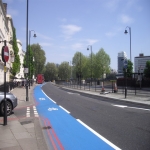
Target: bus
[(40, 79)]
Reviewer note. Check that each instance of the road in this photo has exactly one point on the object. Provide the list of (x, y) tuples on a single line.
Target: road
[(126, 127)]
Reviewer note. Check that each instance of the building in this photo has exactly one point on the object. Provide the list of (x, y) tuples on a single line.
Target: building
[(6, 33), (21, 54), (121, 56), (140, 63)]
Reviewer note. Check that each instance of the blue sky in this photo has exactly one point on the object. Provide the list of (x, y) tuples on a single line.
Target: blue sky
[(64, 27)]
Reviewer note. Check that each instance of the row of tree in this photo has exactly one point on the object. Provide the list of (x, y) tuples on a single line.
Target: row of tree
[(83, 67)]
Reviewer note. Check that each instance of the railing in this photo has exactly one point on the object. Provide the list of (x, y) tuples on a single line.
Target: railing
[(111, 86)]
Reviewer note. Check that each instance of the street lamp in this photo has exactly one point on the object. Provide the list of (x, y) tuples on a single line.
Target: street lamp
[(91, 60), (27, 98), (130, 38), (29, 52)]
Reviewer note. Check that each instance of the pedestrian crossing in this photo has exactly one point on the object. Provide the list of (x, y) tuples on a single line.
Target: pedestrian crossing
[(28, 112)]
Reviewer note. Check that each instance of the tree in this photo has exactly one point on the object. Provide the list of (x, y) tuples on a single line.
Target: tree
[(101, 64), (50, 72), (147, 70), (64, 71), (129, 69), (77, 64), (16, 63), (39, 57)]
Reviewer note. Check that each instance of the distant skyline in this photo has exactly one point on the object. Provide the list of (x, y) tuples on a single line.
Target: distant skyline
[(64, 27)]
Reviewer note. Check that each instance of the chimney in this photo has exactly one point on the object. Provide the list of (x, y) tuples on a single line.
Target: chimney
[(5, 8)]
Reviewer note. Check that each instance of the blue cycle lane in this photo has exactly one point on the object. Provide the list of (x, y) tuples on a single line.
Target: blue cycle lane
[(64, 131)]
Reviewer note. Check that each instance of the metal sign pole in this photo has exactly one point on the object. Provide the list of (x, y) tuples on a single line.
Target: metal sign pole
[(5, 100)]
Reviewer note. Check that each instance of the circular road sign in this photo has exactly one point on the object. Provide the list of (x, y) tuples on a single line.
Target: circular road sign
[(5, 53)]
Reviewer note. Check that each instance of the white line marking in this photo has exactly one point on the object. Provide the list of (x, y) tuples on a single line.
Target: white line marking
[(98, 135), (131, 107), (73, 93), (49, 98), (64, 109), (122, 106)]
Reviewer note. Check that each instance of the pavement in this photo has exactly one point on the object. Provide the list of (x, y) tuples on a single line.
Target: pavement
[(27, 133), (22, 133), (141, 98)]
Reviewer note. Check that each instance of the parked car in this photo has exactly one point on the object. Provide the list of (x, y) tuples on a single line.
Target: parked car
[(11, 103)]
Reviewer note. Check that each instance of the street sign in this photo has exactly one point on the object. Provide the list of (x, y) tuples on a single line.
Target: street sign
[(5, 53)]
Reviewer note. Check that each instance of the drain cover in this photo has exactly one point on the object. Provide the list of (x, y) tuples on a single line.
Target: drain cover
[(25, 122), (48, 127)]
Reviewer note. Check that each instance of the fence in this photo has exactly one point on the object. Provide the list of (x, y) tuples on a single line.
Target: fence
[(134, 87)]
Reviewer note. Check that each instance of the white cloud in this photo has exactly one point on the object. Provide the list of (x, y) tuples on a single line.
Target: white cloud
[(43, 36), (125, 19), (45, 44), (110, 34), (114, 32), (91, 41), (70, 30), (77, 46)]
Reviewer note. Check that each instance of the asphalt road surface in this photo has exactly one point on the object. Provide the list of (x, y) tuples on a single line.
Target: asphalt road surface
[(125, 125)]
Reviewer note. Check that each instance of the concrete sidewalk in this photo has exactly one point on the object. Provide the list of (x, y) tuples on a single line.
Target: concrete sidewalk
[(22, 133)]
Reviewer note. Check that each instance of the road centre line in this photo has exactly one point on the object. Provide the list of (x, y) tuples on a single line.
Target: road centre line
[(98, 135), (64, 109), (48, 97)]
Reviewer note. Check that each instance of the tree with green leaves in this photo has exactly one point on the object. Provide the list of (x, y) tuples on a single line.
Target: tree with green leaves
[(147, 70), (64, 71), (129, 69), (38, 55), (77, 63), (50, 72), (101, 64), (16, 64)]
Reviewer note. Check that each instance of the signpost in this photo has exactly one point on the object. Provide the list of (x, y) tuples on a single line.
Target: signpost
[(5, 58), (125, 67)]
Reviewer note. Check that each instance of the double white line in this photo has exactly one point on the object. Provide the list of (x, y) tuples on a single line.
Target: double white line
[(35, 112)]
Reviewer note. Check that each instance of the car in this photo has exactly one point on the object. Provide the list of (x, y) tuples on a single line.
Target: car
[(12, 102)]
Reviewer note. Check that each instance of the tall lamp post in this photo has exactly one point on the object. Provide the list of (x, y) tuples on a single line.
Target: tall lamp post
[(130, 39), (91, 60), (29, 52), (27, 98)]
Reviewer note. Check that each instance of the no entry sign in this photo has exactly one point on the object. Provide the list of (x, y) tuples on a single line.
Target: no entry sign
[(5, 53)]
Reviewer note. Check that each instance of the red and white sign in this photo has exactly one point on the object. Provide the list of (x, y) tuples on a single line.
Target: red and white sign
[(5, 53)]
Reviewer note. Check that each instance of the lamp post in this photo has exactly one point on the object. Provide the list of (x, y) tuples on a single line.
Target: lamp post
[(130, 38), (27, 98), (29, 52), (91, 60)]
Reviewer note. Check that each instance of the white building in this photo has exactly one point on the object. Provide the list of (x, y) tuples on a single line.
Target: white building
[(121, 56), (21, 54), (6, 32), (140, 63)]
